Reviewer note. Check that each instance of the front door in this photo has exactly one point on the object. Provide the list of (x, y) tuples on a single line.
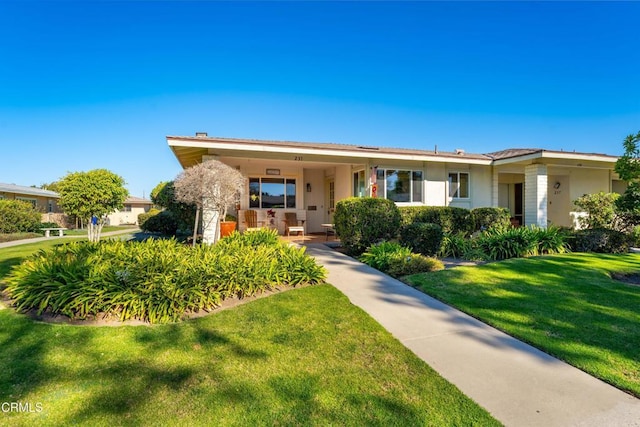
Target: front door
[(330, 200)]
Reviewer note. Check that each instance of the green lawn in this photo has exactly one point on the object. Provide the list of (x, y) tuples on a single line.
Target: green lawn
[(566, 305), (105, 229), (302, 357)]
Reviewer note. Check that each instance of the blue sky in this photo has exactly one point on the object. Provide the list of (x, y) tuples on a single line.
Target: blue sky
[(98, 84)]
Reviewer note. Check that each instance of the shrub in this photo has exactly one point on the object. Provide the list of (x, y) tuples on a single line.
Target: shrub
[(601, 240), (423, 238), (413, 264), (454, 245), (520, 242), (262, 236), (486, 218), (451, 219), (379, 255), (363, 221), (154, 280), (143, 217), (634, 237), (510, 243), (163, 223), (48, 225), (17, 216), (397, 260), (600, 208)]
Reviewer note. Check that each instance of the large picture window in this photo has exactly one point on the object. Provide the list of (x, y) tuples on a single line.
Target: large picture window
[(459, 185), (400, 185), (272, 193)]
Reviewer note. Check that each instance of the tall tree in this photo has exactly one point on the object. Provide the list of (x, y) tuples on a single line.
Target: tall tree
[(628, 168), (92, 196), (212, 187)]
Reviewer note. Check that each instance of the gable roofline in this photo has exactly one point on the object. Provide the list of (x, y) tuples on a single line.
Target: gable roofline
[(324, 149), (137, 200), (523, 154), (512, 155), (31, 191)]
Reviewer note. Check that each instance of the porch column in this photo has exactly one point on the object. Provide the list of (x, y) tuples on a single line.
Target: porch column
[(494, 189), (535, 195)]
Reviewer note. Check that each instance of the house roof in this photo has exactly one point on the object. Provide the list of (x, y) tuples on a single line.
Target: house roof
[(132, 200), (189, 151), (32, 191)]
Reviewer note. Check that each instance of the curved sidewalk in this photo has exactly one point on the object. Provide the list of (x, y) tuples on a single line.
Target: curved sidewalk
[(516, 383)]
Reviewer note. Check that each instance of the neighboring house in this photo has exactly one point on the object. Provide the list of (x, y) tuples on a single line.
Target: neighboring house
[(133, 206), (537, 186), (44, 201)]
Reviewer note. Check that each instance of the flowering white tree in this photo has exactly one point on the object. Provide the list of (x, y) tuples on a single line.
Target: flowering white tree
[(212, 187)]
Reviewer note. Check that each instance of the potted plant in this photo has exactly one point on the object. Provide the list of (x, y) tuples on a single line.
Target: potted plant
[(228, 225)]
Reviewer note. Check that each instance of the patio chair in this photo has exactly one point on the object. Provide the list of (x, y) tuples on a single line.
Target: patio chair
[(251, 220), (293, 224)]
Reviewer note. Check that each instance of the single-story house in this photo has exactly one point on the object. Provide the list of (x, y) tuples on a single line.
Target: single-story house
[(538, 186), (44, 201), (133, 206)]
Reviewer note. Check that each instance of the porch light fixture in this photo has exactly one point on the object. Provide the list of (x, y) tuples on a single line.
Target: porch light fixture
[(556, 185), (308, 187)]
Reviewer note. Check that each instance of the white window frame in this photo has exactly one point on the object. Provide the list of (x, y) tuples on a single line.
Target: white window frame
[(382, 189), (285, 179), (450, 183)]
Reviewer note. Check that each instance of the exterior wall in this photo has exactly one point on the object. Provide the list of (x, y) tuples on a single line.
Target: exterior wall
[(122, 217), (42, 204), (535, 195), (436, 185), (559, 197)]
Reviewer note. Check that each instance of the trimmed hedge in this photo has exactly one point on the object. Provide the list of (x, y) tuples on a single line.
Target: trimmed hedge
[(601, 240), (363, 221), (423, 238), (163, 222), (486, 218), (143, 217), (451, 219), (18, 216), (155, 280)]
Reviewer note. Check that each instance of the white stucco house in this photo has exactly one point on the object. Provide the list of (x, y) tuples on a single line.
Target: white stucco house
[(133, 206), (536, 185)]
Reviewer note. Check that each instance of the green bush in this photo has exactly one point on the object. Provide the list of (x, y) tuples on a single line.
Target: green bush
[(634, 237), (423, 238), (155, 280), (363, 221), (413, 264), (379, 255), (520, 242), (451, 219), (17, 216), (601, 210), (455, 245), (143, 217), (397, 260), (601, 240), (486, 218), (163, 223)]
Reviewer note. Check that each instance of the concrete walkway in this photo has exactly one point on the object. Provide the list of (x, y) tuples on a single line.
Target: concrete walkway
[(518, 384), (41, 239)]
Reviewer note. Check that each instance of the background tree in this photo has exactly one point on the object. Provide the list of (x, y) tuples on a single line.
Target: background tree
[(91, 196), (628, 167), (51, 186), (212, 187), (163, 196)]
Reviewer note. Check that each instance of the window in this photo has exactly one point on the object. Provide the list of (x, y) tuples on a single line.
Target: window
[(459, 185), (272, 193), (359, 184), (127, 208), (400, 185)]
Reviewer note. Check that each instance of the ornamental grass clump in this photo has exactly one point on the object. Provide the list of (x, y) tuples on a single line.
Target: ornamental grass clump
[(397, 260), (156, 280)]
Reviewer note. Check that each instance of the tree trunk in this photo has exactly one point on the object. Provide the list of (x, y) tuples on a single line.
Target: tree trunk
[(195, 227)]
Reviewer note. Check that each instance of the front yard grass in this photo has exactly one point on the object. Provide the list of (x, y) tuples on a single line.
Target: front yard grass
[(566, 305), (302, 357)]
